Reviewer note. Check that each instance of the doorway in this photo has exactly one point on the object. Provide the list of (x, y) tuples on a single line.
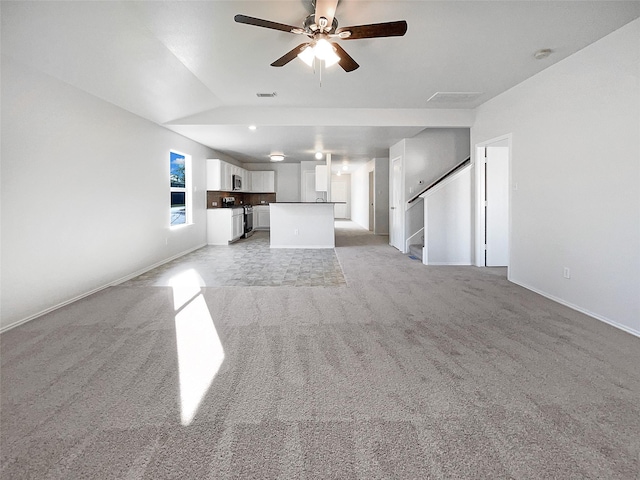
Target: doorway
[(493, 159)]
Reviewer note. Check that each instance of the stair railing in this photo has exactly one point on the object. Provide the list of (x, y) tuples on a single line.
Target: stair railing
[(440, 179)]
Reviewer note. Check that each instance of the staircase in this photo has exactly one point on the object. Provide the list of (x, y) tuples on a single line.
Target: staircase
[(415, 251)]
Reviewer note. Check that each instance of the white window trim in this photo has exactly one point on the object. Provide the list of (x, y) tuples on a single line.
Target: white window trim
[(187, 190)]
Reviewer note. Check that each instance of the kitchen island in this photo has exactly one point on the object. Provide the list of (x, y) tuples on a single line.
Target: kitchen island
[(302, 225)]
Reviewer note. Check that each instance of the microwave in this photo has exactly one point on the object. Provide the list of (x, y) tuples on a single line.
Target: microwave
[(236, 182)]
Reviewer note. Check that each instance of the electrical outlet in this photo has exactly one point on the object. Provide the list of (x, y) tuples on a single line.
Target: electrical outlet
[(566, 273), (295, 231), (214, 204)]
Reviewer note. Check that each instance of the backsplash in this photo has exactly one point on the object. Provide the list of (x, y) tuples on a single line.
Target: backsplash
[(241, 198)]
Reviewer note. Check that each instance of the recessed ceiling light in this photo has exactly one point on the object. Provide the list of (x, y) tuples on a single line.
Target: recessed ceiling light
[(252, 127), (319, 155), (276, 157), (345, 167)]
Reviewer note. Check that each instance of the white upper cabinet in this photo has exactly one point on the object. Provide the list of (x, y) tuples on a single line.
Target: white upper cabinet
[(214, 174), (220, 174), (263, 182), (227, 172)]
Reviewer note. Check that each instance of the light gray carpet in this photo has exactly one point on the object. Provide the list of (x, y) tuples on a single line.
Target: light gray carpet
[(407, 372)]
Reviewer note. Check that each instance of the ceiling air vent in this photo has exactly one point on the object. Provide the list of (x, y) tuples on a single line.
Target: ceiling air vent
[(266, 95), (453, 97)]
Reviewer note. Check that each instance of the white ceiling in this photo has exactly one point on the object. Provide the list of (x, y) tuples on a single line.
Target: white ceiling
[(188, 66)]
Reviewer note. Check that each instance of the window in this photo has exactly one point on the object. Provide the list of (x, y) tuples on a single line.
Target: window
[(179, 182)]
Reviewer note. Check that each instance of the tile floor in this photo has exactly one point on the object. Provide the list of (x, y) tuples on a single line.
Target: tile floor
[(249, 262)]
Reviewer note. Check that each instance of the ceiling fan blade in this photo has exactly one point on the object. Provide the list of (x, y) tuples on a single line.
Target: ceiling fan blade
[(387, 29), (287, 57), (258, 22), (326, 9), (347, 63)]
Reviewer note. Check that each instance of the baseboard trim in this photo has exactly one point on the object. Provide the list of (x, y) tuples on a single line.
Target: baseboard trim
[(97, 289), (451, 264), (613, 323)]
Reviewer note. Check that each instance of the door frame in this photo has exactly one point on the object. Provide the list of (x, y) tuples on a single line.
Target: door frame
[(480, 225), (401, 211)]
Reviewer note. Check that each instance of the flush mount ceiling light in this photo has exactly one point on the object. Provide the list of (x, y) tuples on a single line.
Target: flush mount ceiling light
[(345, 167), (252, 128), (276, 157), (319, 155), (542, 53)]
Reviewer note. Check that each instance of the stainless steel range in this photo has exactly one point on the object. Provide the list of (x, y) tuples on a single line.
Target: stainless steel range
[(248, 221)]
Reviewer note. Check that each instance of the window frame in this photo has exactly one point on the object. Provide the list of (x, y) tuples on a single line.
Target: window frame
[(188, 203)]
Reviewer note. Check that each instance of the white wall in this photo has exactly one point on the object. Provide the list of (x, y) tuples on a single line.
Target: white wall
[(287, 179), (576, 159), (448, 216), (85, 197), (430, 154)]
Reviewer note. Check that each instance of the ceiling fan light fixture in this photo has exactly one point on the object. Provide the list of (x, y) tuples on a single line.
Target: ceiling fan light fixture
[(320, 49), (323, 49), (332, 59), (307, 55), (276, 157)]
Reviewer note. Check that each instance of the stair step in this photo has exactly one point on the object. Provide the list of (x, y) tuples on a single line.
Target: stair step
[(416, 251)]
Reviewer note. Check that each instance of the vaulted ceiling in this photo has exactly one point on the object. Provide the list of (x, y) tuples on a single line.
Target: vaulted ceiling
[(188, 66)]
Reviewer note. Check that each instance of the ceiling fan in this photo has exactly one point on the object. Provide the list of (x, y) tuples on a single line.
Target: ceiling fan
[(322, 27)]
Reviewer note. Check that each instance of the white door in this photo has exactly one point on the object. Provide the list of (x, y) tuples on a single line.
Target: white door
[(397, 225), (340, 193), (497, 206)]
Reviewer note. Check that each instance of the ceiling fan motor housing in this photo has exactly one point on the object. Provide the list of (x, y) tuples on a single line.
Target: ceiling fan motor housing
[(310, 25)]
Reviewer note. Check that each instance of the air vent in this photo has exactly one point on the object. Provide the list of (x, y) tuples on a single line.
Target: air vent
[(266, 95), (453, 97)]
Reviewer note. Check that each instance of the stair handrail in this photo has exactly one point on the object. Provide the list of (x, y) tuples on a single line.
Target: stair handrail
[(464, 163)]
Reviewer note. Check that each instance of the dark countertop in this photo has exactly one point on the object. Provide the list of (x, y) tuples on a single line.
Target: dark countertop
[(311, 203)]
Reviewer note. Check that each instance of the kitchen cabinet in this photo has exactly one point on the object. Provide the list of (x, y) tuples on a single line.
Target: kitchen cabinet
[(214, 174), (220, 174), (261, 217), (224, 225), (262, 182)]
